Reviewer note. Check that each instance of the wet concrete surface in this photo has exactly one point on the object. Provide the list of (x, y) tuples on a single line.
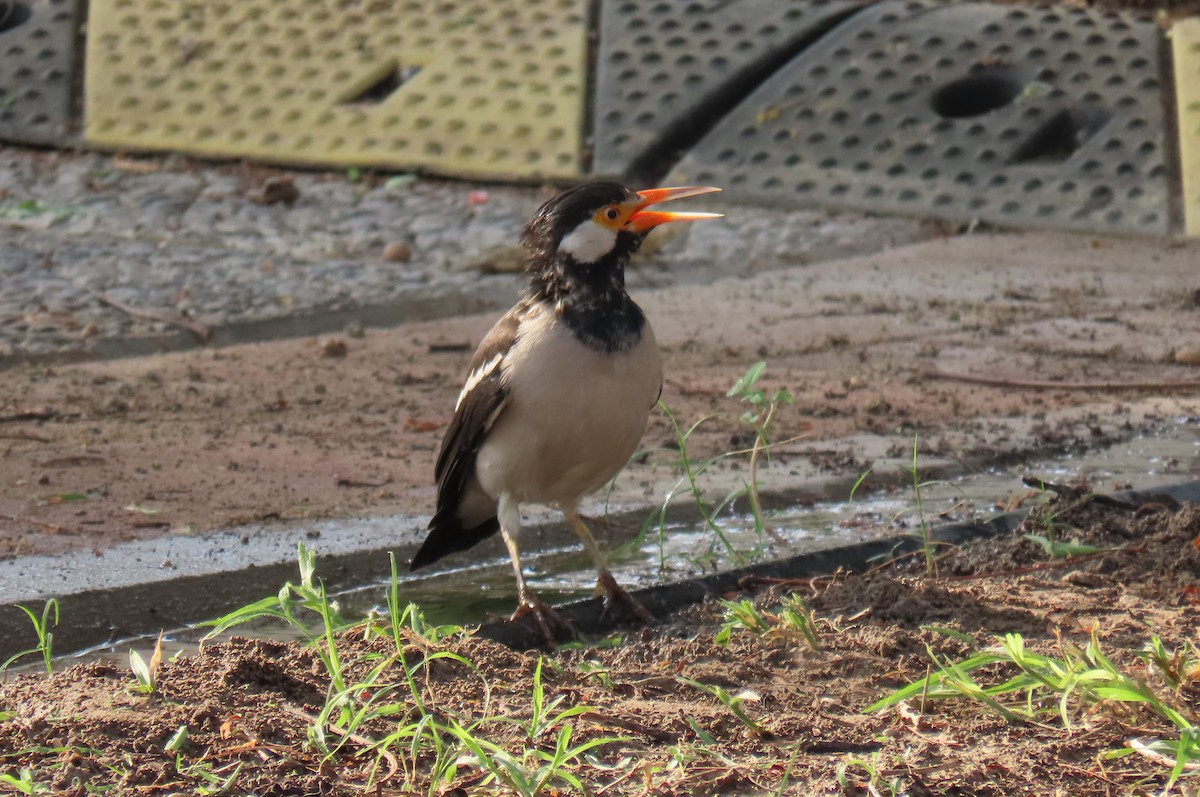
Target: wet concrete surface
[(241, 452)]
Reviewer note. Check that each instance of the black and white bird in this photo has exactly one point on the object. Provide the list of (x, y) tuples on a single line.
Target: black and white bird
[(559, 391)]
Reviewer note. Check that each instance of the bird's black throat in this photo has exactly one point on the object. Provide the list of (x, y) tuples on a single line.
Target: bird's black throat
[(591, 300), (602, 323)]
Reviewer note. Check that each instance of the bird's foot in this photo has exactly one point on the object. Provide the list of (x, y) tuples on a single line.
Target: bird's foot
[(615, 595), (553, 625)]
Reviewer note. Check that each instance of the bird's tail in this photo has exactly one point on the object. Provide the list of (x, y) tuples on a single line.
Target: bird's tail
[(447, 535)]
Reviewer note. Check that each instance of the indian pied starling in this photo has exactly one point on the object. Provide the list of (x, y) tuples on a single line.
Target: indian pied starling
[(559, 391)]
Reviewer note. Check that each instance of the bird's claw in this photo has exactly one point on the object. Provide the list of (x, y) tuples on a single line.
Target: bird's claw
[(615, 595), (553, 625)]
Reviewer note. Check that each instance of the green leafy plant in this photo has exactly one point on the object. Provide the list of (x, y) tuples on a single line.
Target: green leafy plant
[(30, 208), (45, 637), (741, 614), (537, 769), (23, 781), (925, 529), (732, 702), (597, 671), (309, 596), (147, 674), (177, 741), (141, 671), (545, 715), (1177, 667), (759, 417), (378, 704), (791, 620), (212, 780), (1049, 516), (862, 478), (1058, 549), (305, 607), (795, 617), (875, 775), (540, 764), (1080, 677), (691, 472)]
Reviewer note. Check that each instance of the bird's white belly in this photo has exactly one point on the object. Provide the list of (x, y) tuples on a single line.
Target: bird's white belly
[(573, 416)]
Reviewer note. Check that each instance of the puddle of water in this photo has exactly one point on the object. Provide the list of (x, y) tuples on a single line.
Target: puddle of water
[(481, 591), (469, 595)]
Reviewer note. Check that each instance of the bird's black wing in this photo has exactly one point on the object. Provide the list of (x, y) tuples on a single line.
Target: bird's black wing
[(481, 402), (482, 395)]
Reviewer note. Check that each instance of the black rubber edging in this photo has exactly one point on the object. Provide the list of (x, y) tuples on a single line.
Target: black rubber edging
[(591, 620), (106, 616)]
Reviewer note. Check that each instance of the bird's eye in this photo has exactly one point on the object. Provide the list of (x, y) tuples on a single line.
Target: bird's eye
[(612, 214)]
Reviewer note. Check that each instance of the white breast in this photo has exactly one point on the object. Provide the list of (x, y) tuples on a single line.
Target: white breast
[(574, 415)]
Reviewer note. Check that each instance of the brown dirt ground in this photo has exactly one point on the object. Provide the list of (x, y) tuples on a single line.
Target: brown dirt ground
[(100, 453), (251, 703)]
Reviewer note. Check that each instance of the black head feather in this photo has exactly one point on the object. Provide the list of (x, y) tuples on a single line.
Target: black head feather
[(558, 217), (589, 297)]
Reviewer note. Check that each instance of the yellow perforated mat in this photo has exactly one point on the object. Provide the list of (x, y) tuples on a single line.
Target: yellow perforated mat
[(493, 88), (1185, 38)]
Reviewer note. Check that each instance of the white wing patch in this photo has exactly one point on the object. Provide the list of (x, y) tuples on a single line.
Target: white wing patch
[(589, 242), (491, 419), (478, 375)]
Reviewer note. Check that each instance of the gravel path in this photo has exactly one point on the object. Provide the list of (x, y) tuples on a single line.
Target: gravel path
[(198, 239)]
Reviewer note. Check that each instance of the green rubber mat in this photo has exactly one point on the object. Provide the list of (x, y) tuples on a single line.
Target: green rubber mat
[(1185, 38), (484, 89), (37, 71)]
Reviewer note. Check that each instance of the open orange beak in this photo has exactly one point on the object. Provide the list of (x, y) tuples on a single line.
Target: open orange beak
[(642, 220)]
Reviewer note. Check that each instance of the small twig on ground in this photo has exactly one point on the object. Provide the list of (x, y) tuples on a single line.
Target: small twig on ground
[(657, 734), (36, 438), (688, 390), (1077, 492), (1056, 564), (52, 528), (448, 348), (32, 414), (932, 372), (1141, 748), (631, 773), (346, 481), (753, 582), (201, 331), (365, 742)]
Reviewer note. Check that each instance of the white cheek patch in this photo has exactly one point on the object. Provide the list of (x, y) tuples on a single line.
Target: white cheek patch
[(478, 375), (589, 242)]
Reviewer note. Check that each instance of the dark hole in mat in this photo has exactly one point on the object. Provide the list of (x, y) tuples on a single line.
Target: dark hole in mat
[(976, 94), (385, 85), (13, 14), (1058, 137)]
